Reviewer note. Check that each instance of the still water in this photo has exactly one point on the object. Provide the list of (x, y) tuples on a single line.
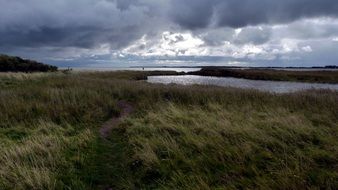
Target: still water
[(268, 86), (177, 69)]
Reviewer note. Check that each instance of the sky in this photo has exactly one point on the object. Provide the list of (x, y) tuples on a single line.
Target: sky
[(124, 33)]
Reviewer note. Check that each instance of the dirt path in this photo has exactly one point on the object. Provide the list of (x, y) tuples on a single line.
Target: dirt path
[(108, 126)]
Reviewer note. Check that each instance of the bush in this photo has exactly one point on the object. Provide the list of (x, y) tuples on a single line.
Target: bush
[(17, 64)]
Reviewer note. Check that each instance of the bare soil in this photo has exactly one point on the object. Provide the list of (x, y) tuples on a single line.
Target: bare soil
[(108, 126)]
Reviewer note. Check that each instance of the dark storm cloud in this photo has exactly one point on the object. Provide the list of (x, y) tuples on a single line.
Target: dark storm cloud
[(88, 23), (196, 14), (76, 23), (80, 36), (241, 13), (124, 4)]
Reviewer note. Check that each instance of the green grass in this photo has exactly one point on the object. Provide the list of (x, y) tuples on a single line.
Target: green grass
[(179, 137), (36, 159), (221, 146)]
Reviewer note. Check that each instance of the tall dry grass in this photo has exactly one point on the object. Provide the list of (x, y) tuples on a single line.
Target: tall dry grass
[(187, 137), (215, 146)]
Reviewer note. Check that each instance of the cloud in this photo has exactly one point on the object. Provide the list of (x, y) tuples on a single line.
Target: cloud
[(87, 23), (191, 15), (167, 44), (77, 23), (308, 29), (241, 13), (266, 31)]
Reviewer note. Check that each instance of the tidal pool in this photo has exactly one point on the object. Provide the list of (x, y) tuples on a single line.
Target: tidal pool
[(262, 85)]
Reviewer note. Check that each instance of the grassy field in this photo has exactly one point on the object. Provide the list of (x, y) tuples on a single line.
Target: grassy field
[(178, 137), (270, 74)]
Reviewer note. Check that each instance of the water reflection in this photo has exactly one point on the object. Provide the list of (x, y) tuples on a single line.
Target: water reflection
[(178, 69), (269, 86)]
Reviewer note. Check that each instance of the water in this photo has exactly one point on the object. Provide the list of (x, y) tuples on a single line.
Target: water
[(182, 69), (267, 86), (168, 69), (135, 69)]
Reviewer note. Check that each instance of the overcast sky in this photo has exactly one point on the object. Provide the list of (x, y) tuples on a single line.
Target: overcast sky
[(108, 33)]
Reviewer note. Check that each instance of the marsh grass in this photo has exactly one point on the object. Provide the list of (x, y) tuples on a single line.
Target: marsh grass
[(330, 76), (215, 146), (33, 162), (179, 137)]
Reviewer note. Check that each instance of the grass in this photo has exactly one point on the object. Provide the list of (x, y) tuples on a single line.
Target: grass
[(276, 75), (216, 147), (34, 159), (179, 137)]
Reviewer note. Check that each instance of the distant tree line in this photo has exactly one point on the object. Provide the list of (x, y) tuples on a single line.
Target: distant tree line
[(17, 64)]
